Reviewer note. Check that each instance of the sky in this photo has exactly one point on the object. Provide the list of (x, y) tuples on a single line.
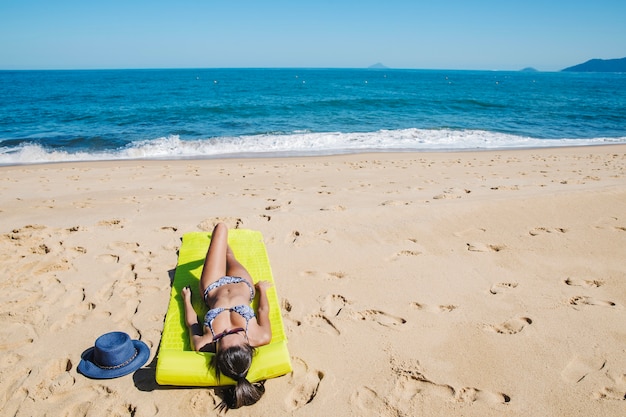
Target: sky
[(447, 34)]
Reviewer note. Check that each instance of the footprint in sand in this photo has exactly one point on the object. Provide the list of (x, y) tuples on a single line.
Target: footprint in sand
[(80, 249), (124, 246), (301, 239), (380, 317), (322, 322), (585, 283), (484, 247), (512, 326), (305, 383), (451, 193), (74, 319), (617, 391), (333, 208), (441, 308), (45, 243), (15, 335), (287, 307), (410, 382), (55, 379), (395, 203), (500, 287), (505, 187), (470, 395), (198, 402), (406, 253), (113, 224), (14, 392), (328, 275), (539, 230), (53, 266), (96, 399), (470, 231), (416, 250), (274, 205), (295, 235), (578, 368), (109, 258), (334, 304), (52, 382), (581, 300), (367, 400), (331, 306)]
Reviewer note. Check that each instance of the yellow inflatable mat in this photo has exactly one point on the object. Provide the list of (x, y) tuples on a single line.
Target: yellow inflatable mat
[(178, 363)]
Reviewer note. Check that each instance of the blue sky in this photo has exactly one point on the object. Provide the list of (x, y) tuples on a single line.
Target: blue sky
[(457, 34)]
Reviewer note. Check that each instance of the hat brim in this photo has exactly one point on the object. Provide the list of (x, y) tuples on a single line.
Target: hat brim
[(88, 368)]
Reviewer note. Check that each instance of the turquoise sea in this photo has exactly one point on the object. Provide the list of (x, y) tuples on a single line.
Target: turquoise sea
[(205, 113)]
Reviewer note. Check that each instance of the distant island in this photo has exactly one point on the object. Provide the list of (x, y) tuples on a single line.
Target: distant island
[(593, 65), (599, 65)]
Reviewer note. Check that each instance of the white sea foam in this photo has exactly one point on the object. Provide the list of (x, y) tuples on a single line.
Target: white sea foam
[(299, 144)]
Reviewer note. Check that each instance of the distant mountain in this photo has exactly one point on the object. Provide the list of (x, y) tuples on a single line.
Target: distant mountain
[(377, 66), (529, 69), (600, 65)]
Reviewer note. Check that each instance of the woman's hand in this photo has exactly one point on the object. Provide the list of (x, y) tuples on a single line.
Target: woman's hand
[(262, 285), (264, 336), (186, 293)]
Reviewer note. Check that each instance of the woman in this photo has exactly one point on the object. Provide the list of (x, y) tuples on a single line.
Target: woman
[(230, 328)]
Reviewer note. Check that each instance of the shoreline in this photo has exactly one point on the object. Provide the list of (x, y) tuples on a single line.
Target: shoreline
[(479, 283), (294, 154)]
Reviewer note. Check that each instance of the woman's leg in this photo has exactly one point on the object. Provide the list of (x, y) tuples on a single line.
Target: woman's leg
[(215, 261), (236, 269)]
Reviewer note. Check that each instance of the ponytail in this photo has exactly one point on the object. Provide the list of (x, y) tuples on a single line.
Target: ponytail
[(247, 393), (234, 362)]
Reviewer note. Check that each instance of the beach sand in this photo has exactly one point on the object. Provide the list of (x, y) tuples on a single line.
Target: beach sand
[(475, 284)]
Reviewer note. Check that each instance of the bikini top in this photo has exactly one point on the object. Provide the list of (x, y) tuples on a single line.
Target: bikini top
[(243, 310)]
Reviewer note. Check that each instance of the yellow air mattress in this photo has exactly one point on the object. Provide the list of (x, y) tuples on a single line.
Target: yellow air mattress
[(177, 363)]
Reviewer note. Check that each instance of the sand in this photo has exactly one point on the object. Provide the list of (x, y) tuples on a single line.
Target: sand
[(475, 284)]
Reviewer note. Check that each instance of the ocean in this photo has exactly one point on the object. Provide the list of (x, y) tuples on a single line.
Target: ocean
[(84, 115)]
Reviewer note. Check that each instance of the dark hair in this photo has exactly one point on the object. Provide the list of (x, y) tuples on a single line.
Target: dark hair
[(234, 362)]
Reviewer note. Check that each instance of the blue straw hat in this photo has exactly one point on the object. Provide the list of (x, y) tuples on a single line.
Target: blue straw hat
[(113, 355)]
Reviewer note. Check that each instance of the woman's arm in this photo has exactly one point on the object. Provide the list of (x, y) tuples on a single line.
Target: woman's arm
[(199, 341), (263, 314)]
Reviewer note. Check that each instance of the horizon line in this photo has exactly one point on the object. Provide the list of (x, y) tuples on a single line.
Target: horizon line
[(371, 68)]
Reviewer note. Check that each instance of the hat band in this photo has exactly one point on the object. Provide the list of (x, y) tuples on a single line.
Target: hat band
[(121, 365)]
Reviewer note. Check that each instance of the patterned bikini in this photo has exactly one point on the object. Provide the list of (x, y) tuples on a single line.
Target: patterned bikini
[(243, 310)]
